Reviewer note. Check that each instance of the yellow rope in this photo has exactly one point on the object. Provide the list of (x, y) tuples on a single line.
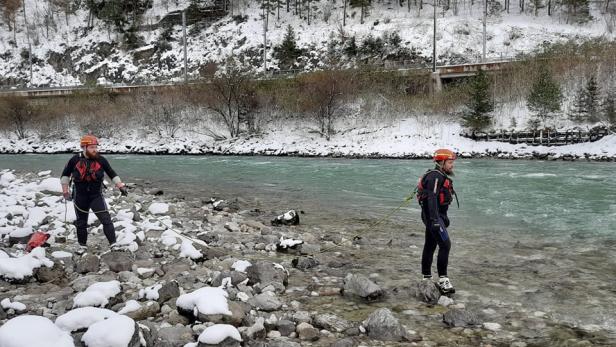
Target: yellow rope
[(404, 203)]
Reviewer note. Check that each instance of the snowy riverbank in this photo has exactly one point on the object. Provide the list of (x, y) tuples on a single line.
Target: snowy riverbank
[(407, 138)]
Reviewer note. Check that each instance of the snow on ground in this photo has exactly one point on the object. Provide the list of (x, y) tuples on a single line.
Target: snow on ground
[(150, 293), (158, 208), (415, 136), (33, 331), (241, 265), (98, 334), (23, 266), (82, 318), (217, 333), (97, 294), (206, 300), (130, 306), (287, 243), (189, 251), (15, 305)]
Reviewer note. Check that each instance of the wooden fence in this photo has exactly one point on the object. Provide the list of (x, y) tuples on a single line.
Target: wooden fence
[(541, 137)]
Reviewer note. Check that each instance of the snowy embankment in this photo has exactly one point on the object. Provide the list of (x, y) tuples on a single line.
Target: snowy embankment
[(67, 52), (406, 138)]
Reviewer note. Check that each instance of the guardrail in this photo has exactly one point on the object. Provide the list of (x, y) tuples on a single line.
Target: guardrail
[(541, 137)]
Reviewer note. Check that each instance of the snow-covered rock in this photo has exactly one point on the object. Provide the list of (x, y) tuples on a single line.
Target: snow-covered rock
[(97, 294), (33, 331), (116, 331), (206, 301), (82, 318), (23, 266), (158, 208), (217, 333)]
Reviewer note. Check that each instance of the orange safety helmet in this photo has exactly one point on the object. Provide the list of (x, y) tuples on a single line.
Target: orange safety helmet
[(444, 154), (88, 140)]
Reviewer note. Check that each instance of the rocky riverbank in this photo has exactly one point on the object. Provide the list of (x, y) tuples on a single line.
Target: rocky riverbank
[(201, 271)]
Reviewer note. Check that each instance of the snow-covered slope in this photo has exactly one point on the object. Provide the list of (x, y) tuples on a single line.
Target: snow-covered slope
[(66, 53)]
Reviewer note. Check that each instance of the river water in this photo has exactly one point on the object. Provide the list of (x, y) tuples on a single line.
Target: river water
[(533, 236)]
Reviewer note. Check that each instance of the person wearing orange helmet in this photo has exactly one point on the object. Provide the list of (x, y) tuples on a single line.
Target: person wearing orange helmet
[(435, 194), (87, 170)]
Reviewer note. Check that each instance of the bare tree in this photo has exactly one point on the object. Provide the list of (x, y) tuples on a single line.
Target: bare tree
[(324, 95), (232, 99), (9, 10), (163, 113), (18, 114)]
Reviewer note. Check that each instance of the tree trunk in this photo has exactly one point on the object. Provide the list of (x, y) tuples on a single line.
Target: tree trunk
[(344, 13), (361, 21)]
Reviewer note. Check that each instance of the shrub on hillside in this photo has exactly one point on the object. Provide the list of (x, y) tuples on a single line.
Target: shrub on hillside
[(17, 114)]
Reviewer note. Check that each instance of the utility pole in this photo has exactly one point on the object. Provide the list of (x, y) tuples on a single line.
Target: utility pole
[(485, 15), (265, 15), (185, 54), (29, 42), (434, 40)]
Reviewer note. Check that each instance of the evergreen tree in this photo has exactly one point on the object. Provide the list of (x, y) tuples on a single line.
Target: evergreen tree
[(608, 114), (545, 96), (287, 52), (350, 46), (578, 112), (477, 115), (592, 99), (585, 106)]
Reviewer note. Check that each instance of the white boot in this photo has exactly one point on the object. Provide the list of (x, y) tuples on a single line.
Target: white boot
[(81, 250), (445, 286)]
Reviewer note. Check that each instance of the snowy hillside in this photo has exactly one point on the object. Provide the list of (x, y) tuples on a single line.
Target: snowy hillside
[(66, 52)]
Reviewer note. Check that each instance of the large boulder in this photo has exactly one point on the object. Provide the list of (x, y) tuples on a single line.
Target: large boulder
[(173, 336), (265, 302), (267, 273), (382, 325), (461, 318), (362, 287), (168, 291), (428, 292), (87, 263), (331, 322), (119, 261), (57, 274), (304, 263), (147, 310), (307, 332)]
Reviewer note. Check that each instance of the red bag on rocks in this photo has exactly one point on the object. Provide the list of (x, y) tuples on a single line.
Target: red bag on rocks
[(37, 239)]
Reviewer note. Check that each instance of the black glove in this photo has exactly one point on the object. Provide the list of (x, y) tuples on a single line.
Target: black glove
[(445, 221), (124, 191)]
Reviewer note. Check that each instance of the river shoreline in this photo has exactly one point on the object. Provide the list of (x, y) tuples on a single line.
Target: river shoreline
[(312, 294), (496, 156)]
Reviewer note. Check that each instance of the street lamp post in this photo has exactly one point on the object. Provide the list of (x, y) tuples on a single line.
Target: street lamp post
[(485, 15), (185, 54), (434, 40)]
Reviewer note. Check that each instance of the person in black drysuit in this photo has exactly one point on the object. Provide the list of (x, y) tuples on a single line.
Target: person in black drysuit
[(436, 195), (87, 170)]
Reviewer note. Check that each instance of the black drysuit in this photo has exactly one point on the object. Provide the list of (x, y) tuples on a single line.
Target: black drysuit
[(436, 195), (87, 175)]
